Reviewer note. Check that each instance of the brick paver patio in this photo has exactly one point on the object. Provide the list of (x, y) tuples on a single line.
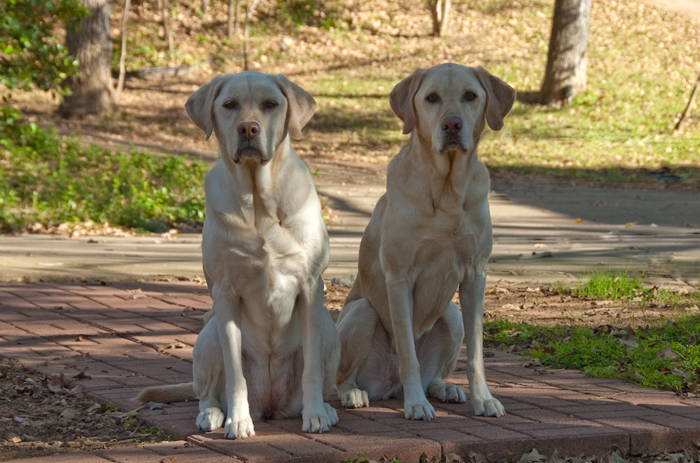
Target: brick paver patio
[(127, 332)]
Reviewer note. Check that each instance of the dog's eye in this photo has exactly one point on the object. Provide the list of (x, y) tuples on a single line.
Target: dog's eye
[(433, 98), (271, 104), (231, 104), (470, 96)]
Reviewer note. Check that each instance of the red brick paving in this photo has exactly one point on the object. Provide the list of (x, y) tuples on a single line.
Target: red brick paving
[(117, 335)]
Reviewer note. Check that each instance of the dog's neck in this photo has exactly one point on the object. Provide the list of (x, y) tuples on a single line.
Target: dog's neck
[(255, 185), (450, 176)]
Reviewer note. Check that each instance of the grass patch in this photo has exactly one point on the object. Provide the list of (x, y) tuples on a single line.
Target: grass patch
[(662, 357), (48, 179), (620, 286)]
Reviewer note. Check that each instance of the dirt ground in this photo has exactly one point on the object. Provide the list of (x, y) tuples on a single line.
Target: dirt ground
[(543, 306), (41, 417)]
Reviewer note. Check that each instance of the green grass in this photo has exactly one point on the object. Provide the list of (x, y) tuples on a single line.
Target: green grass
[(619, 286), (642, 356), (48, 179)]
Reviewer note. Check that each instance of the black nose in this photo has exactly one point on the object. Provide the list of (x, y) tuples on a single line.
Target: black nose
[(249, 129), (452, 125)]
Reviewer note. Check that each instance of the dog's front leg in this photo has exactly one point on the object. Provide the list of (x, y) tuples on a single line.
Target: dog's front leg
[(416, 405), (316, 415), (471, 297), (229, 314)]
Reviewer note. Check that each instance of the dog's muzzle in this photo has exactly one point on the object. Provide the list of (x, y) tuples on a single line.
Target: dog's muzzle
[(452, 136), (248, 143)]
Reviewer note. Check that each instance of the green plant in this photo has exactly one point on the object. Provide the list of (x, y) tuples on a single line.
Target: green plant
[(610, 285), (30, 53), (664, 357), (48, 179)]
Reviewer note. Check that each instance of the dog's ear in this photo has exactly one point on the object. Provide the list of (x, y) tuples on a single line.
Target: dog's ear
[(499, 98), (300, 106), (401, 99), (200, 105)]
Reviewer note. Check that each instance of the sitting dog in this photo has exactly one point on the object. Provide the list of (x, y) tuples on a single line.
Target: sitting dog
[(269, 349), (429, 234)]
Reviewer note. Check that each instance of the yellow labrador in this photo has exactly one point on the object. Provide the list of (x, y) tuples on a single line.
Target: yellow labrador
[(429, 234), (270, 350)]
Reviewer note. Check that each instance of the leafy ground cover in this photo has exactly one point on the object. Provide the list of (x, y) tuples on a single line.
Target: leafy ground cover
[(642, 62), (42, 417), (47, 180), (661, 353)]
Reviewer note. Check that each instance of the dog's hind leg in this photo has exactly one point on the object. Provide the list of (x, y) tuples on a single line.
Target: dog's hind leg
[(209, 378), (368, 362), (437, 352)]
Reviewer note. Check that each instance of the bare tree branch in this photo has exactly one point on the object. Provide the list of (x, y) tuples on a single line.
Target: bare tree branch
[(688, 108)]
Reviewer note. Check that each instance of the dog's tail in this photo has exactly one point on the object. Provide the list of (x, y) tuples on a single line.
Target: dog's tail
[(167, 394)]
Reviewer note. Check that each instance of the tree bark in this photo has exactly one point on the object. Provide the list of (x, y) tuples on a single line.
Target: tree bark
[(688, 108), (440, 13), (122, 57), (248, 11), (232, 27), (90, 44), (205, 7), (165, 12), (567, 60)]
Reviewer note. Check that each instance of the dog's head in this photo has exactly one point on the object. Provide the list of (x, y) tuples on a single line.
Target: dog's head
[(448, 105), (251, 113)]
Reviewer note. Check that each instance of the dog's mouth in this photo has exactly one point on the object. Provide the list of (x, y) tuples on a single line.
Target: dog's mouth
[(452, 143), (248, 150)]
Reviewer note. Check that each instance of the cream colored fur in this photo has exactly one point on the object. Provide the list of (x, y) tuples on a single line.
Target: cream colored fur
[(270, 350), (429, 235)]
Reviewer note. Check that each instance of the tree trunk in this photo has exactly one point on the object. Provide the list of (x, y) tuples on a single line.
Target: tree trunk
[(165, 12), (440, 13), (248, 11), (205, 7), (90, 44), (688, 108), (122, 57), (232, 28), (567, 61)]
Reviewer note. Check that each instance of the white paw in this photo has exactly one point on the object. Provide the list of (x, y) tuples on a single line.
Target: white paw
[(488, 407), (318, 419), (419, 410), (448, 393), (355, 398), (210, 419), (241, 428)]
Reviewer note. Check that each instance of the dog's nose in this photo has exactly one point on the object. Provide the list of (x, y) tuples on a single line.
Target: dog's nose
[(248, 129), (452, 125)]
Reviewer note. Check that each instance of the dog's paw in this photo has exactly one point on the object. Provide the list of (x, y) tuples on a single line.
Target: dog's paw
[(447, 393), (210, 419), (319, 420), (355, 398), (488, 407), (419, 410), (239, 428)]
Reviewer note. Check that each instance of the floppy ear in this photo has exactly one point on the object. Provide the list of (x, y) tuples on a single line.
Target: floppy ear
[(200, 104), (499, 98), (300, 106), (401, 99)]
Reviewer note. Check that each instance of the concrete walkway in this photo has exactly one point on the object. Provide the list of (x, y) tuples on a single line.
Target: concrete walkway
[(124, 328), (537, 239)]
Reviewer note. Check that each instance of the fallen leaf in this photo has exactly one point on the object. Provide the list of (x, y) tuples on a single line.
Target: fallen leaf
[(533, 363), (616, 457), (556, 458), (69, 414), (55, 383), (82, 375), (79, 339), (174, 345), (629, 343), (155, 406), (579, 220), (666, 353), (453, 458), (511, 349), (533, 457), (16, 439), (628, 225), (510, 307), (477, 457)]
